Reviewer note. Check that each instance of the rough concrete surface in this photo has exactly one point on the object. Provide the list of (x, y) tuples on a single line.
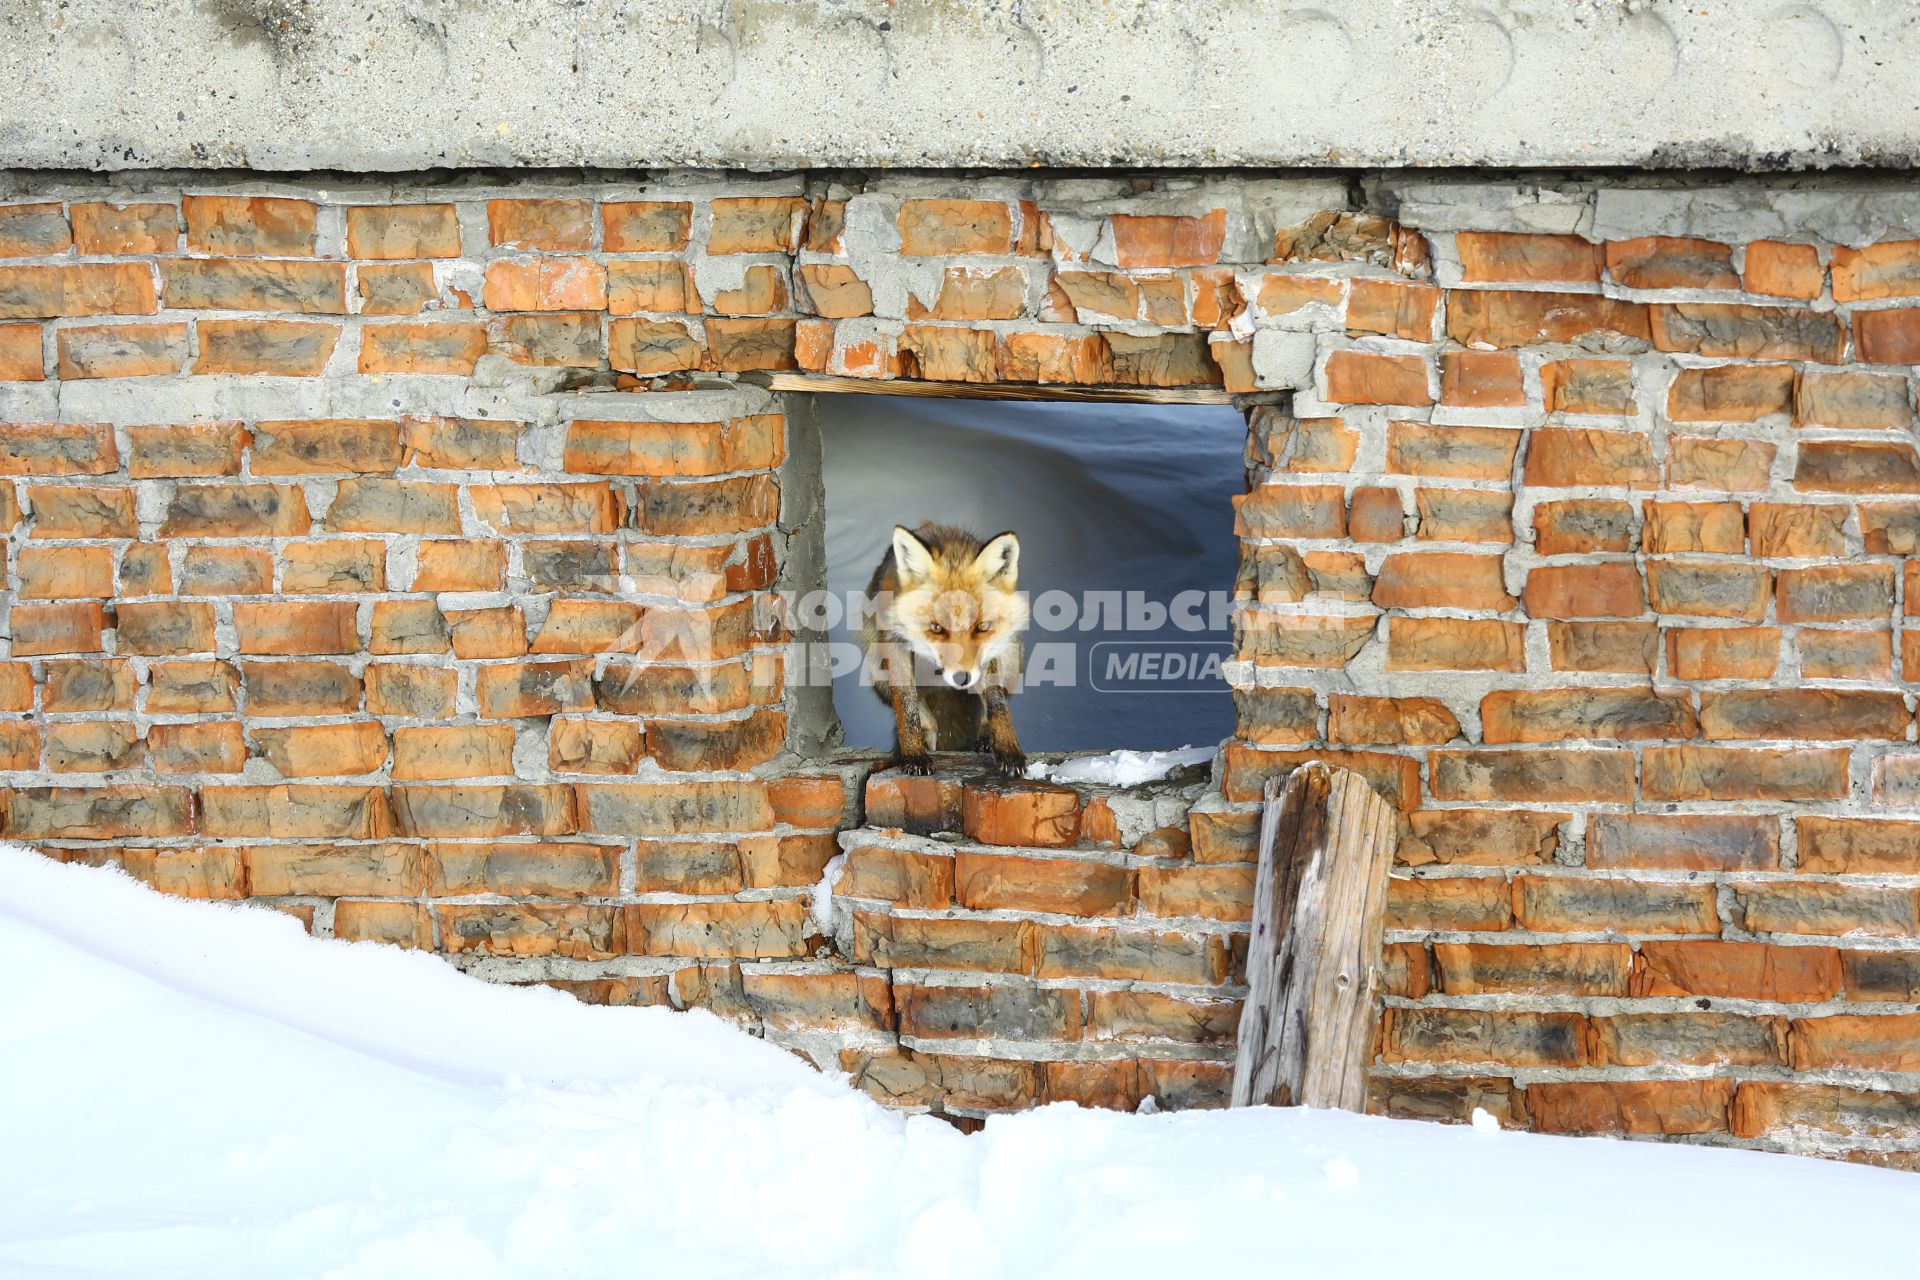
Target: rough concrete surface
[(412, 84)]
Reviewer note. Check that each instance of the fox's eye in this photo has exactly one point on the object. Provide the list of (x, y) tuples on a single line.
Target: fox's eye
[(935, 629), (983, 628)]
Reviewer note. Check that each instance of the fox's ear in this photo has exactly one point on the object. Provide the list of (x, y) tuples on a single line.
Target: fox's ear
[(999, 560), (910, 555)]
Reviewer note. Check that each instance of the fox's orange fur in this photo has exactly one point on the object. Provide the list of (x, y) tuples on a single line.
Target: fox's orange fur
[(942, 643)]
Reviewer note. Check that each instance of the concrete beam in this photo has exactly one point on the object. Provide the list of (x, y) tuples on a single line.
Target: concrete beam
[(391, 85)]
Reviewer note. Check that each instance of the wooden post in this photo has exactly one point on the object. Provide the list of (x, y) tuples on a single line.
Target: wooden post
[(1306, 1033)]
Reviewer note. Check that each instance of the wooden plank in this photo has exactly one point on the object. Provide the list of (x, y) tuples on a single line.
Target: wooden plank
[(1313, 964), (829, 384)]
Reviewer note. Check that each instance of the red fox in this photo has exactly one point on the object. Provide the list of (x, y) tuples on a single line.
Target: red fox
[(942, 597)]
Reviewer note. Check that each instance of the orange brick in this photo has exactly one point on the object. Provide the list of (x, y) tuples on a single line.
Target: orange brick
[(422, 348), (82, 511), (1747, 332), (1660, 1107), (1513, 318), (650, 286), (540, 224), (1495, 257), (21, 359), (1588, 387), (403, 231), (1481, 380), (323, 750), (106, 229), (546, 284), (64, 573), (202, 747), (1455, 644), (296, 627), (1442, 580), (77, 289), (1625, 647), (1363, 377), (395, 288), (646, 226), (1578, 456), (1784, 270), (1069, 886), (1730, 393), (286, 347), (1890, 269), (1723, 465), (1543, 775), (1671, 262), (1163, 241), (757, 224), (250, 227), (834, 290), (937, 227)]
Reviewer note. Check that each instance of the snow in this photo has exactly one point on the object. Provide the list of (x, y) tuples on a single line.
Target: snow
[(1120, 768), (199, 1090)]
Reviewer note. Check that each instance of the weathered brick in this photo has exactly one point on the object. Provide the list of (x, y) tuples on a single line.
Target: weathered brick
[(1845, 655), (296, 627), (105, 229), (1291, 511), (1352, 718), (121, 350), (766, 224), (589, 746), (1455, 644), (653, 346), (1551, 715), (287, 348), (1541, 775), (1730, 393), (164, 627), (422, 348), (77, 289), (571, 931), (99, 813), (378, 505), (1790, 1111), (1748, 333), (1579, 456), (1476, 1036), (1690, 1039), (64, 573), (554, 339), (1291, 640), (1579, 525), (194, 449), (1503, 257), (1462, 453), (227, 284), (1708, 588), (1834, 910), (1851, 400), (301, 688), (1654, 1107), (403, 231), (1588, 387), (296, 812), (706, 745), (1480, 379), (1560, 904), (400, 924), (1881, 975), (546, 284), (1442, 580), (1480, 837), (735, 930), (1464, 515), (76, 511), (1833, 593), (395, 288), (57, 449), (1608, 590), (207, 746), (191, 688), (1784, 270), (256, 225), (1727, 466), (1562, 969), (1868, 1042), (936, 227), (1369, 377), (323, 750), (484, 810), (1671, 262), (540, 224), (401, 689), (1890, 269), (1714, 773), (1391, 307), (646, 226), (1507, 318), (1858, 846), (56, 628), (1819, 715)]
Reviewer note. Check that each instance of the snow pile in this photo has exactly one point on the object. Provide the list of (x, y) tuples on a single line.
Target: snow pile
[(199, 1091), (1120, 768)]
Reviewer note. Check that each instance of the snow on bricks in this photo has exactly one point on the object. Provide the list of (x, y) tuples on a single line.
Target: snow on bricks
[(1577, 526)]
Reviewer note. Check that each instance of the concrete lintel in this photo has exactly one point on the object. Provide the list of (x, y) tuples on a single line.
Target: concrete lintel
[(398, 85)]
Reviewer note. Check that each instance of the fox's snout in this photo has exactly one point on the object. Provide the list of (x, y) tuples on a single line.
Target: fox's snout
[(962, 680)]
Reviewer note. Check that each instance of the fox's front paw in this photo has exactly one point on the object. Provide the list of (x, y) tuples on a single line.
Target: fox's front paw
[(921, 765), (1010, 764)]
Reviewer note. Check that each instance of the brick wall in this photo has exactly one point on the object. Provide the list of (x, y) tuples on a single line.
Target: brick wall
[(402, 556)]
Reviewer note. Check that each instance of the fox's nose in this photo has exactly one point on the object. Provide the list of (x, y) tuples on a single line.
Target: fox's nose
[(962, 680)]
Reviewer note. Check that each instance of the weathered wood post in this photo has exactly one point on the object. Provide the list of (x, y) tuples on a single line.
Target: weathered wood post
[(1306, 1034)]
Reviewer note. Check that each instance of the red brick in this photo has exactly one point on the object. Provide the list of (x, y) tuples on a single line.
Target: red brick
[(1577, 456), (1403, 721), (1834, 910), (1628, 648), (1567, 904), (1890, 269), (1478, 1036), (1069, 886), (56, 628), (323, 750), (296, 627), (1715, 773), (1578, 525), (422, 348), (762, 224), (1608, 590), (1711, 463), (1864, 1042), (1845, 466), (238, 284), (1790, 1111), (1553, 715), (1442, 580), (396, 288), (77, 289), (1563, 969), (1456, 903), (57, 449), (202, 747), (935, 227), (1797, 529), (1162, 241), (1723, 653), (1391, 307), (1455, 644), (1852, 400), (546, 284), (1730, 393), (1858, 846), (646, 226), (1708, 588), (1481, 380), (1480, 837), (100, 813), (1833, 593), (21, 359), (1461, 453), (1820, 715)]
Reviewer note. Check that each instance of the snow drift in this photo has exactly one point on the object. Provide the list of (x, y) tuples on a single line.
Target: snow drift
[(197, 1090)]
